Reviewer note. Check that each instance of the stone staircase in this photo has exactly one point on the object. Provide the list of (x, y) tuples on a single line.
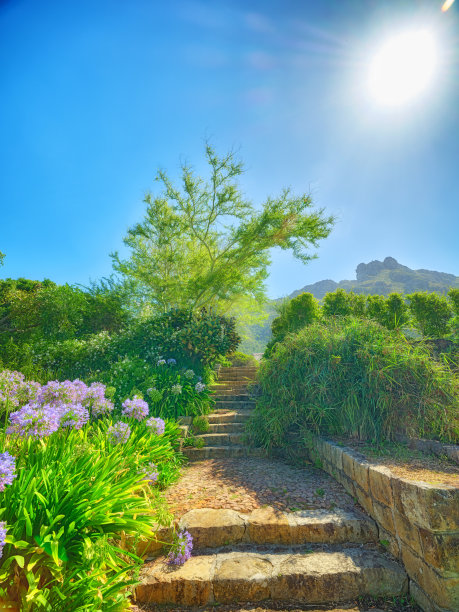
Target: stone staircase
[(233, 407), (309, 556)]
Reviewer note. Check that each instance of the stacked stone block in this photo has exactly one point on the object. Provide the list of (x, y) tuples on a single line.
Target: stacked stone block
[(417, 521)]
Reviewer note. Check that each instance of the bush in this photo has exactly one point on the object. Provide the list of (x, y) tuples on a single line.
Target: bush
[(355, 378), (241, 359), (431, 312)]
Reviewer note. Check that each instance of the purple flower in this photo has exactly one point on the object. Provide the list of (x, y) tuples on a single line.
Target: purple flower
[(118, 433), (2, 536), (156, 425), (171, 361), (151, 475), (135, 408), (7, 467), (36, 421), (200, 387), (181, 549), (67, 392), (160, 362), (101, 407), (74, 416)]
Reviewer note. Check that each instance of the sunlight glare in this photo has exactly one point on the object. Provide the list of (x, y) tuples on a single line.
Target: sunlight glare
[(403, 68)]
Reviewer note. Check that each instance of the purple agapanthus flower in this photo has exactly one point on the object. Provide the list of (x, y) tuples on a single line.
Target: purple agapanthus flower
[(135, 408), (156, 425), (2, 536), (151, 475), (35, 421), (171, 361), (7, 469), (101, 407), (181, 549), (200, 387), (118, 433), (74, 416)]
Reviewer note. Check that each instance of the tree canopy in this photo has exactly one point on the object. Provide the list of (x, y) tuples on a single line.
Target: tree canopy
[(203, 244)]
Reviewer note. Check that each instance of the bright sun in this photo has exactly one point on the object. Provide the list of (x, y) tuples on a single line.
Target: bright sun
[(403, 68)]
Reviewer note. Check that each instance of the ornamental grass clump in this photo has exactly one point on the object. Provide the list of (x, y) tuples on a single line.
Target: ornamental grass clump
[(352, 377)]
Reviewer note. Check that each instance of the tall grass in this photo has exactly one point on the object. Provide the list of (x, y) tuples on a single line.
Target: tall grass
[(353, 377)]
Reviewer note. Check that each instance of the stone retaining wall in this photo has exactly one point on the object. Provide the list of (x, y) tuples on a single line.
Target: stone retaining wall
[(417, 521)]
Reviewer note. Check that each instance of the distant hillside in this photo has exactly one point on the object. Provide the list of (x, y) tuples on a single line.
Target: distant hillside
[(383, 277), (376, 277)]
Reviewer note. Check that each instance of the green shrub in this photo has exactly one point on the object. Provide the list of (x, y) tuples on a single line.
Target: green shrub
[(201, 424), (353, 377), (297, 312), (241, 359), (342, 303), (391, 312), (431, 312)]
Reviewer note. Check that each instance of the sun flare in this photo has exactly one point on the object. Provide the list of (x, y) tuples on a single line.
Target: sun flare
[(403, 68)]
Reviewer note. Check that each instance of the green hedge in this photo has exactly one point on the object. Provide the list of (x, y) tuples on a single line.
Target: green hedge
[(353, 377)]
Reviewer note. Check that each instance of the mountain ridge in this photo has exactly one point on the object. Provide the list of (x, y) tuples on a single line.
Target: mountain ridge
[(383, 277)]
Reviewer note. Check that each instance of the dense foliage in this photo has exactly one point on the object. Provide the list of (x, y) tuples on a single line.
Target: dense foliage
[(73, 484), (205, 244), (32, 311), (353, 377)]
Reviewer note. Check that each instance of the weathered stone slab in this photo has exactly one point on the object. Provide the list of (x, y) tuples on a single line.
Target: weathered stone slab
[(332, 527), (444, 592), (268, 526), (441, 550), (380, 479), (242, 577), (430, 506), (212, 528), (364, 499), (189, 584), (407, 532)]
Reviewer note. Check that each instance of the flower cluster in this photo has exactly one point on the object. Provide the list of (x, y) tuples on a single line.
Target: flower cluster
[(2, 536), (135, 408), (15, 391), (171, 361), (35, 421), (74, 415), (176, 389), (156, 425), (7, 468), (181, 549), (118, 433), (151, 476), (189, 374), (161, 362), (101, 407), (199, 387)]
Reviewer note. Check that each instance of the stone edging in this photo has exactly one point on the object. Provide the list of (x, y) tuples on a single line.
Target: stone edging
[(417, 521), (431, 446)]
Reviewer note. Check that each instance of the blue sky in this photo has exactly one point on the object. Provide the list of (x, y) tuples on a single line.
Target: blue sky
[(96, 95)]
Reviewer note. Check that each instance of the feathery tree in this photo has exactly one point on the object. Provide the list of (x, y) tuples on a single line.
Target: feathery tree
[(205, 245)]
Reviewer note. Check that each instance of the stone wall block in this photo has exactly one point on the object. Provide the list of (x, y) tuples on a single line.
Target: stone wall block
[(380, 479), (361, 469), (336, 456), (423, 601), (430, 506), (348, 465), (444, 592), (383, 515), (407, 532), (364, 500), (441, 550), (390, 543)]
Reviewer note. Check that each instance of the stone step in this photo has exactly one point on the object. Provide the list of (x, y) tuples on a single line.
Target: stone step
[(221, 439), (233, 428), (240, 397), (214, 528), (230, 384), (229, 416), (221, 452), (313, 578), (237, 370), (235, 404)]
